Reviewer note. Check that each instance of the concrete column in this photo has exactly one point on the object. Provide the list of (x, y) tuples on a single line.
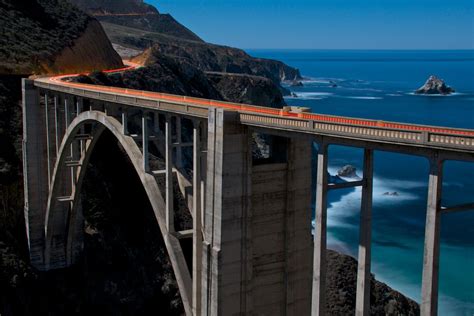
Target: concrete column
[(125, 121), (169, 175), (319, 262), (156, 123), (179, 140), (197, 224), (67, 113), (145, 142), (227, 201), (79, 109), (429, 286), (365, 233), (48, 142), (57, 124), (35, 171)]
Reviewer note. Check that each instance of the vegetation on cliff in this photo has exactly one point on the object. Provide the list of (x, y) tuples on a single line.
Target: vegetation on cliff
[(105, 7), (177, 76)]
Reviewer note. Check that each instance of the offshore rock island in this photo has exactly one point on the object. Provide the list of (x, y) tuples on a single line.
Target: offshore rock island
[(125, 268), (435, 85)]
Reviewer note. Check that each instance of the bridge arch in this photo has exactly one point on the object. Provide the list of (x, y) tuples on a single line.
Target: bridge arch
[(63, 217)]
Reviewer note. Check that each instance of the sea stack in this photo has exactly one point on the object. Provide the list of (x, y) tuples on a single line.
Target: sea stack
[(435, 85)]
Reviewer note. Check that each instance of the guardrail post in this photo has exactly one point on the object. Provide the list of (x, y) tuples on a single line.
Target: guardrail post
[(318, 307), (429, 290), (365, 233)]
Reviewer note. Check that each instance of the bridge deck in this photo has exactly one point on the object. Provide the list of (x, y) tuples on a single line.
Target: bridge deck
[(411, 135)]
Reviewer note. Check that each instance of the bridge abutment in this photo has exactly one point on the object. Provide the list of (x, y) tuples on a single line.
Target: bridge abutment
[(35, 162)]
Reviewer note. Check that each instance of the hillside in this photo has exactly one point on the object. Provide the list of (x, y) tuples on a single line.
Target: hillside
[(130, 29), (51, 36), (102, 7), (136, 14)]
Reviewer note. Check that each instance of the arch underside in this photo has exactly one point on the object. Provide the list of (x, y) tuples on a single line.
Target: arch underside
[(64, 220)]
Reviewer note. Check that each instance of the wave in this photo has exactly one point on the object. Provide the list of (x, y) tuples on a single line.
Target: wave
[(436, 95), (363, 97), (349, 203), (310, 95)]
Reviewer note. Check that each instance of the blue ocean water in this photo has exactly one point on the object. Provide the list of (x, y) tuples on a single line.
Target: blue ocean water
[(380, 85)]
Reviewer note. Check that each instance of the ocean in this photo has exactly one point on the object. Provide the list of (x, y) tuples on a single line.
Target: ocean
[(380, 85)]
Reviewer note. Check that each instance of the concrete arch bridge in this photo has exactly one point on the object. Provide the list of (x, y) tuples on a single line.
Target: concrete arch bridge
[(253, 251)]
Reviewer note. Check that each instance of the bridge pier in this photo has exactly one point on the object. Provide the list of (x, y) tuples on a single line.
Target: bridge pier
[(257, 226), (197, 221), (169, 176), (365, 235), (429, 291), (320, 233)]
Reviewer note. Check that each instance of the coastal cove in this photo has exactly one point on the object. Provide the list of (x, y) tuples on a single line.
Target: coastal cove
[(380, 85)]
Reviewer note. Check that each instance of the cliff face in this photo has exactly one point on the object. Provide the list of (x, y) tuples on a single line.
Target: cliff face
[(178, 76), (137, 15), (90, 51), (35, 35), (216, 58)]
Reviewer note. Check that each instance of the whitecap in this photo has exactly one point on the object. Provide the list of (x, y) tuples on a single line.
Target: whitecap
[(436, 95), (364, 98), (311, 95)]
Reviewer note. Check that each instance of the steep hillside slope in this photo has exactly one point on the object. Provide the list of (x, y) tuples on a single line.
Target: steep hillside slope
[(115, 6), (216, 58), (44, 36), (136, 14)]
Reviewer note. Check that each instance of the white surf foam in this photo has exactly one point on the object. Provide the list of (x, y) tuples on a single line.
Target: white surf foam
[(364, 98)]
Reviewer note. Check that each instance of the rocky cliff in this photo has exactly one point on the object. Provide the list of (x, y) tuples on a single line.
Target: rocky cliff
[(216, 58), (178, 76), (43, 36), (137, 15)]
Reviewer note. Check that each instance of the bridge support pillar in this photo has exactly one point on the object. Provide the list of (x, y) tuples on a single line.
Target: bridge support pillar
[(429, 286), (365, 233), (169, 176), (320, 234), (257, 226), (197, 222), (145, 142), (35, 171)]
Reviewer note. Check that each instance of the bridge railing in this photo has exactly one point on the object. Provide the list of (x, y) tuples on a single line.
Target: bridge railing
[(372, 130)]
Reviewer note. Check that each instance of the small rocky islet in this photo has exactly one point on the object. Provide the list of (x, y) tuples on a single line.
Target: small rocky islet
[(435, 86)]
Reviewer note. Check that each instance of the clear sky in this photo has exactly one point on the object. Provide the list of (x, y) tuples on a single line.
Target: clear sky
[(328, 24)]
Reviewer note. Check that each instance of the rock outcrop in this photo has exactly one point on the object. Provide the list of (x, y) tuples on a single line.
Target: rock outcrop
[(247, 89), (216, 58), (435, 85), (177, 76), (341, 291), (44, 36), (348, 171)]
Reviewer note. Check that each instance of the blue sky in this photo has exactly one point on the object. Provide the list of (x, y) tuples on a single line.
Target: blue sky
[(328, 24)]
